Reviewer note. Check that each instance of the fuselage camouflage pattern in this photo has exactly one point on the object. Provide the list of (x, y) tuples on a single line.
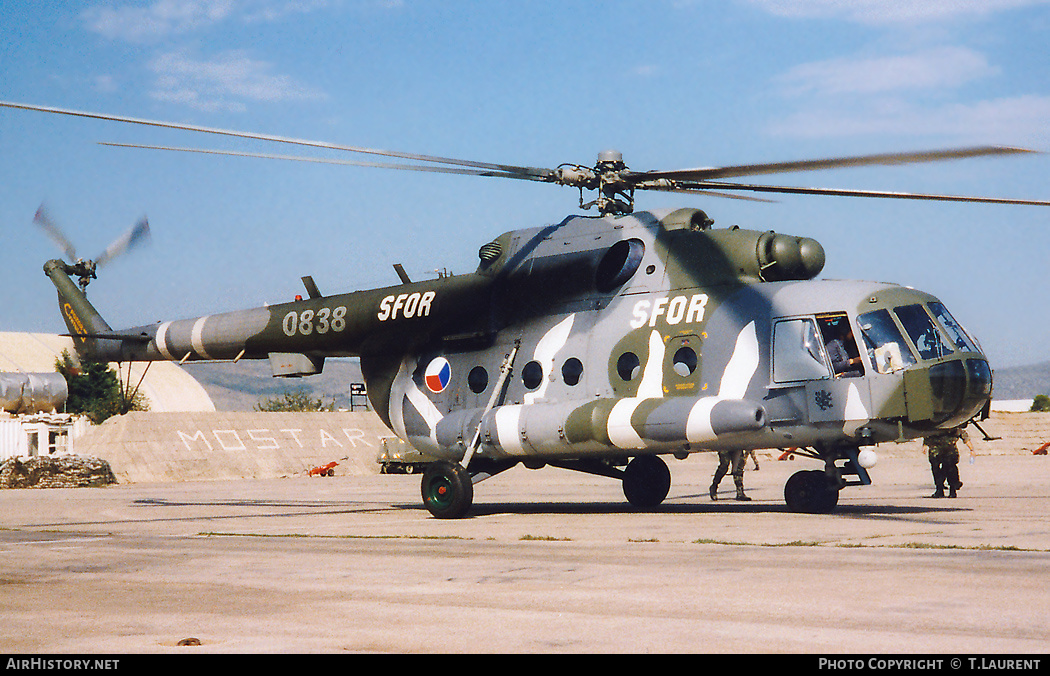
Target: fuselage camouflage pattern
[(623, 336)]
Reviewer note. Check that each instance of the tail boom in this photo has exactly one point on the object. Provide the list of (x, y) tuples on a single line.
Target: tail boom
[(393, 319)]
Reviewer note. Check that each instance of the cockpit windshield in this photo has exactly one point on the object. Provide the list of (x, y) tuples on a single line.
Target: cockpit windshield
[(952, 328), (923, 332), (886, 347)]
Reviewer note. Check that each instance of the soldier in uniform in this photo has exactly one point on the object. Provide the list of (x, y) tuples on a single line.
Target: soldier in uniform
[(725, 459), (944, 459)]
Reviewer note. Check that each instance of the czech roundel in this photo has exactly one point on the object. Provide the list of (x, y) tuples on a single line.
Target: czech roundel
[(437, 375)]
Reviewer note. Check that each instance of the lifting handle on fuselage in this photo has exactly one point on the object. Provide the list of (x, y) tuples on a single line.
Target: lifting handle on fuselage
[(497, 393)]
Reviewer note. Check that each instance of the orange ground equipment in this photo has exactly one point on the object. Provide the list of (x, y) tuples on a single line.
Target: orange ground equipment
[(324, 470)]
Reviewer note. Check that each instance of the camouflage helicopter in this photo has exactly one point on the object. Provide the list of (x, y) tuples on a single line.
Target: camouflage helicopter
[(601, 343)]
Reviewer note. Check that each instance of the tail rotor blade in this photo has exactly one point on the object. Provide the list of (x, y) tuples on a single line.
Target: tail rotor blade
[(139, 234), (55, 233)]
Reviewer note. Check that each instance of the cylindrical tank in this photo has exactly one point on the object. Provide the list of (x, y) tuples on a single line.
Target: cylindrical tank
[(32, 392), (11, 385)]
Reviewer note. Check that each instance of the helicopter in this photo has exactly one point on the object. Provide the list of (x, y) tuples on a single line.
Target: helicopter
[(603, 343)]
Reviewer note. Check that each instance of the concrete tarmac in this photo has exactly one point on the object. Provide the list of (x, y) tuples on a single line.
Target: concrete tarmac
[(549, 561)]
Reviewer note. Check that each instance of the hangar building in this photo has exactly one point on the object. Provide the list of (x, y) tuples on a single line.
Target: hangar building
[(166, 386)]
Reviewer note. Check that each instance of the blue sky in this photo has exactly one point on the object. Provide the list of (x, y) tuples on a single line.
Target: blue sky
[(670, 83)]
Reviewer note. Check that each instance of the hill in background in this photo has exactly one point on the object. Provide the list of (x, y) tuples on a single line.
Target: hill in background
[(1021, 382), (240, 386)]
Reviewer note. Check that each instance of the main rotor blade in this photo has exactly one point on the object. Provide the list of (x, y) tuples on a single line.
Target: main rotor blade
[(526, 172), (686, 190), (138, 234), (326, 160), (706, 173), (55, 233), (719, 185)]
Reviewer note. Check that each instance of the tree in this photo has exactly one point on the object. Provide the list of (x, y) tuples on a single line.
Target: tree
[(294, 401), (95, 390), (1040, 403)]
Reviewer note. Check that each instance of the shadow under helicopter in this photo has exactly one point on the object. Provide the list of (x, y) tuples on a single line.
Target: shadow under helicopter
[(156, 510), (875, 512)]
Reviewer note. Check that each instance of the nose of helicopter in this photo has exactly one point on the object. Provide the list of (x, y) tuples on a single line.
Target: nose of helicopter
[(947, 379), (960, 388)]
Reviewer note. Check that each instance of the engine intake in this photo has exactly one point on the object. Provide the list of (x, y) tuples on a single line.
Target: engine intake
[(785, 257)]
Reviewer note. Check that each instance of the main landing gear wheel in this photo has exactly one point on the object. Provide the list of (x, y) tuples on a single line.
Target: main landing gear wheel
[(447, 490), (646, 481), (810, 492)]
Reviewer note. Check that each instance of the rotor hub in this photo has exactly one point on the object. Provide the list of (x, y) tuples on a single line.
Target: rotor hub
[(609, 176)]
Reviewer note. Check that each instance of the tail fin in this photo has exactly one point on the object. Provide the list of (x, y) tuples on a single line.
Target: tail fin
[(82, 319)]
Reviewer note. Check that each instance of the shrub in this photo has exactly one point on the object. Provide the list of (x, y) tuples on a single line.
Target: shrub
[(95, 390), (295, 401)]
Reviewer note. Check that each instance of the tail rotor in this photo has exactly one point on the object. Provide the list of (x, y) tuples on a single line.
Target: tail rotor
[(85, 270)]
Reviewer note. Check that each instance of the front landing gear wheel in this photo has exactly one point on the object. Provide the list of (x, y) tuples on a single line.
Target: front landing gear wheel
[(646, 481), (810, 492), (447, 490)]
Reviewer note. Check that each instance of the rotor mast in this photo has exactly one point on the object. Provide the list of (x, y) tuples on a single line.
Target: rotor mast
[(610, 177)]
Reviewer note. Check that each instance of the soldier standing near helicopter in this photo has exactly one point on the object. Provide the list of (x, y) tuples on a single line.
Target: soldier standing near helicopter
[(944, 459), (737, 460)]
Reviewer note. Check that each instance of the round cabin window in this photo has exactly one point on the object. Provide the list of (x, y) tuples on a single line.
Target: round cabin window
[(685, 361), (532, 375), (478, 379), (571, 371), (628, 366)]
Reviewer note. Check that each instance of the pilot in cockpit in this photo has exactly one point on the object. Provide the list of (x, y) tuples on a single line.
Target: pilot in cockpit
[(844, 365)]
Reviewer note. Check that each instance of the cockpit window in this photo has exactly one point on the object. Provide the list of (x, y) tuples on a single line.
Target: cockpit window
[(840, 345), (796, 351), (923, 332), (952, 328), (883, 340)]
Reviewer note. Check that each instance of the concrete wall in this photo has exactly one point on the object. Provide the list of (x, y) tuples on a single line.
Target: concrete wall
[(148, 447)]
